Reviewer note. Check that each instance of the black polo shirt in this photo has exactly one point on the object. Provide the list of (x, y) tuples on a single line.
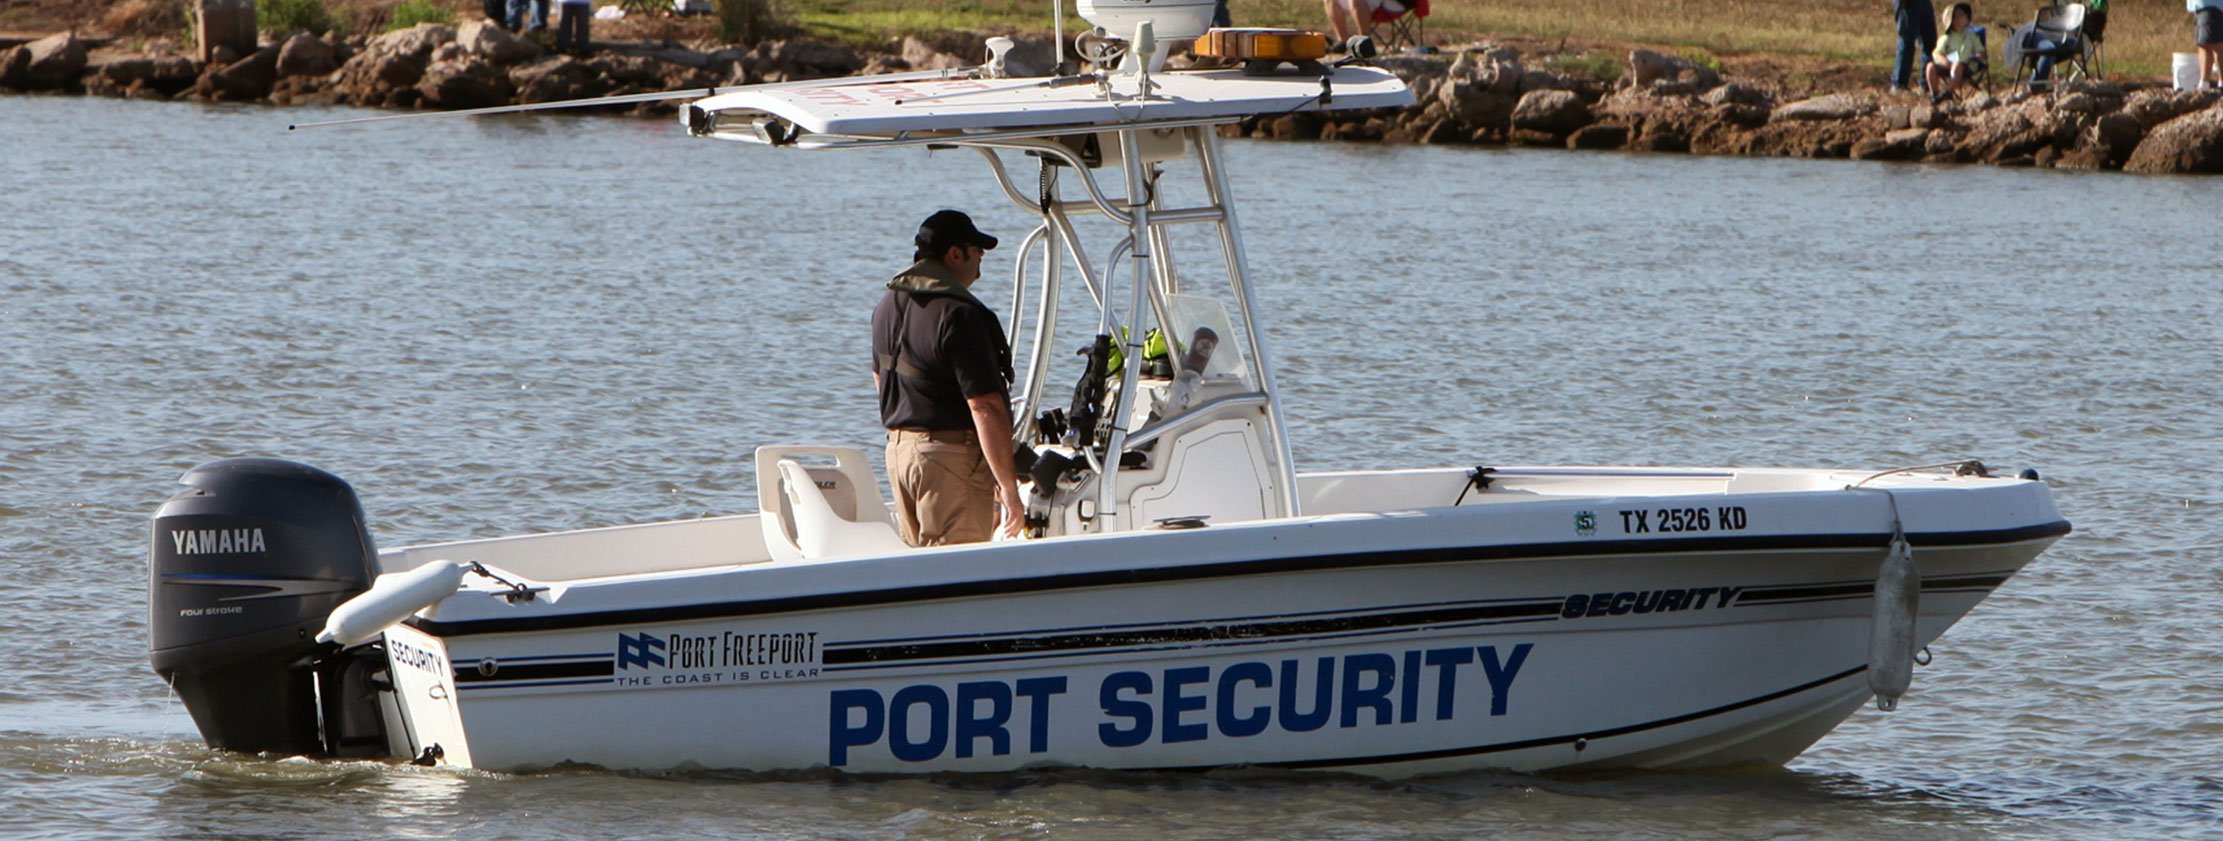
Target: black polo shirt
[(950, 347)]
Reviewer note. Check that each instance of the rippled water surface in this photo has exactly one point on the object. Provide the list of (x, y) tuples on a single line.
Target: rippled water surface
[(532, 324)]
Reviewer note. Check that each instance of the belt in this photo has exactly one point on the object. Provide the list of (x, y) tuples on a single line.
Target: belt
[(945, 436)]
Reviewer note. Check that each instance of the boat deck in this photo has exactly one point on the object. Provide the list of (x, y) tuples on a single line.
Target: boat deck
[(733, 542)]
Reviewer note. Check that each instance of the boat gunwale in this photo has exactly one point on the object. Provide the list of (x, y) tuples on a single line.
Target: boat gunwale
[(2046, 531)]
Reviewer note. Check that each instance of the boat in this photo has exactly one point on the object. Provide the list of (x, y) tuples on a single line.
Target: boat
[(1186, 597)]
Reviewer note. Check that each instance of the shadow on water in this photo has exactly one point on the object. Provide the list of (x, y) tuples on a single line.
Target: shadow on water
[(213, 795), (179, 789)]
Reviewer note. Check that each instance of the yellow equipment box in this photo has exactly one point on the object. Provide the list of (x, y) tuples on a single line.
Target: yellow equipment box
[(1291, 45)]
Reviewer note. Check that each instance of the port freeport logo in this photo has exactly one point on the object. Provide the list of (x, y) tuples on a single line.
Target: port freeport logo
[(720, 650), (722, 657), (639, 650), (924, 722)]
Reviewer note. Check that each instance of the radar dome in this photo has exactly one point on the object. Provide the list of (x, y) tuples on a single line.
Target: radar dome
[(1171, 20)]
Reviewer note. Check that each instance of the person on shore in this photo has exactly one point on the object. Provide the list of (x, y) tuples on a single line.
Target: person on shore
[(1958, 51), (943, 371), (527, 16), (2207, 35), (1917, 21), (571, 26), (1349, 19)]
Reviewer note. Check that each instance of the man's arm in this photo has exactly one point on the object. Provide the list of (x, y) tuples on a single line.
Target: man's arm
[(992, 420)]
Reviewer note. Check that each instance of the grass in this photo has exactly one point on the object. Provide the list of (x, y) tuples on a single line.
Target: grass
[(292, 16), (2141, 35), (414, 12), (1596, 65), (873, 23), (1700, 56)]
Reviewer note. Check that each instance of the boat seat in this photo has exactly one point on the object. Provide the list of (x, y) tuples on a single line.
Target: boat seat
[(822, 512)]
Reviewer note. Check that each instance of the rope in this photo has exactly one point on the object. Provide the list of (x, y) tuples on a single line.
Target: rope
[(1963, 467), (517, 592), (1479, 477), (1046, 183)]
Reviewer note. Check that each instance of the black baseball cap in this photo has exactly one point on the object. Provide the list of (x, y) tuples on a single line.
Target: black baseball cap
[(949, 228)]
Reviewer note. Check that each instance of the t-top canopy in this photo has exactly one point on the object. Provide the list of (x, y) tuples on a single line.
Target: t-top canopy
[(864, 108)]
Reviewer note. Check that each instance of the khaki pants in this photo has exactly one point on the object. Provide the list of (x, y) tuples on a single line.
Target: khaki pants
[(944, 491)]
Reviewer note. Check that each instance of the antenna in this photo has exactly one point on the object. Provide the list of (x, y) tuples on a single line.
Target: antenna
[(998, 48), (1145, 52)]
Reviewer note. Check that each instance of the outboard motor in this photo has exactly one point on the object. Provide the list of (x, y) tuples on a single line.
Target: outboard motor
[(247, 563)]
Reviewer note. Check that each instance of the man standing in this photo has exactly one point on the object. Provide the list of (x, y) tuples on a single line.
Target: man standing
[(2207, 36), (571, 26), (943, 370), (1917, 21), (527, 16)]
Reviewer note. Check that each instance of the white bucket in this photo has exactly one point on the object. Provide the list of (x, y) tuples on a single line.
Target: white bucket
[(2185, 68)]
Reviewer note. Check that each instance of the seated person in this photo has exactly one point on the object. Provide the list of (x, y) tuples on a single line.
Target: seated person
[(1360, 15), (2037, 40), (1955, 55)]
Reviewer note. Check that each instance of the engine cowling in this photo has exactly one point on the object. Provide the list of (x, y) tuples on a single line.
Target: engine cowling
[(247, 562)]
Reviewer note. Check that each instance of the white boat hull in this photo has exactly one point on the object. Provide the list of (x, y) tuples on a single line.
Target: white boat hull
[(1394, 643), (1190, 600)]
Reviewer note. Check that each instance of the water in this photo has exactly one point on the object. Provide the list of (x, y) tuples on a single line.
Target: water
[(535, 324)]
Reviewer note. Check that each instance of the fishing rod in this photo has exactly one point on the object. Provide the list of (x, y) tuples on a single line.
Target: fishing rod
[(973, 72)]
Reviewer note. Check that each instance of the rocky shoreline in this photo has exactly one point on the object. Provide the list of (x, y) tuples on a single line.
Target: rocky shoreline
[(1665, 103), (1480, 94)]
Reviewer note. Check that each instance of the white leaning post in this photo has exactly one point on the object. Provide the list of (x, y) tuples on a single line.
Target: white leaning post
[(1138, 229)]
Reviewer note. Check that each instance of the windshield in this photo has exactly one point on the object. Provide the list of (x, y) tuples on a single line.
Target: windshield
[(1203, 339)]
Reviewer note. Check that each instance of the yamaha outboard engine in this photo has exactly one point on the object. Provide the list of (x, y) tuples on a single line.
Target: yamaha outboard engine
[(247, 563)]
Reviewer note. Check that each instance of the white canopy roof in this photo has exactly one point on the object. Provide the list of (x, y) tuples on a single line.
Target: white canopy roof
[(864, 107)]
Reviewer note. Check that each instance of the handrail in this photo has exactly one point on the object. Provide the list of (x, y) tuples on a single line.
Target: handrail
[(1149, 434), (1096, 198), (1138, 237), (1045, 326), (1097, 201), (1019, 280)]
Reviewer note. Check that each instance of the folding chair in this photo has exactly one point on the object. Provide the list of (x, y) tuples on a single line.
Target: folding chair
[(1979, 69), (1407, 28), (2055, 37)]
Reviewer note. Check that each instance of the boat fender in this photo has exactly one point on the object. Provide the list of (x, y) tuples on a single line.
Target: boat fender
[(1891, 640), (393, 597)]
